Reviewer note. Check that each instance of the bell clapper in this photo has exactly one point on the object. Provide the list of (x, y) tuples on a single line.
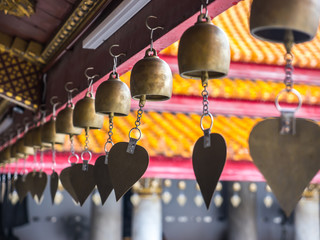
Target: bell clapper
[(86, 150), (133, 141)]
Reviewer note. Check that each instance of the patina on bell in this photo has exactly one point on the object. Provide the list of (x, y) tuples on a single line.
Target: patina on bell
[(22, 149), (84, 114), (151, 77), (270, 20), (204, 48), (113, 97), (49, 135), (64, 122)]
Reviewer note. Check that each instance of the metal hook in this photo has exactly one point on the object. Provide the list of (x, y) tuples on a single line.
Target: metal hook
[(54, 105), (152, 30), (205, 6), (86, 73), (115, 56), (69, 90)]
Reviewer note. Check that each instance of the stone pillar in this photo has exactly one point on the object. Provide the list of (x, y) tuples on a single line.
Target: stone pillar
[(306, 219), (242, 211), (147, 214), (106, 220)]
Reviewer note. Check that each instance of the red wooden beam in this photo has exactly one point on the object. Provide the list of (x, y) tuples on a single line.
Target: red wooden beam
[(164, 167)]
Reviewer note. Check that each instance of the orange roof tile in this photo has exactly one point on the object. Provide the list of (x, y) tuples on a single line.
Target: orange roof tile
[(245, 48)]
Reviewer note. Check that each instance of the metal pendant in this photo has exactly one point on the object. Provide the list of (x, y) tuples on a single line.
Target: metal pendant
[(208, 163), (54, 181), (126, 168), (288, 162), (39, 184), (66, 183), (22, 187), (204, 48), (271, 20), (82, 181), (102, 178)]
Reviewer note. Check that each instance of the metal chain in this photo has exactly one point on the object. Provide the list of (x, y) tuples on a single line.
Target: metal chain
[(86, 146), (72, 145), (35, 160), (114, 70), (110, 133), (288, 81), (205, 101), (204, 5), (139, 115), (53, 158), (41, 160)]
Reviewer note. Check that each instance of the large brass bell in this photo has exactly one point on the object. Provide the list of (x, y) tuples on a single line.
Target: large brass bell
[(270, 20), (64, 121), (84, 114), (204, 48), (48, 130), (151, 77), (113, 96)]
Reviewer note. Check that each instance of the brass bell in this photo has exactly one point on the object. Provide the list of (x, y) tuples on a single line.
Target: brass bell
[(22, 149), (270, 20), (13, 153), (36, 138), (113, 96), (204, 48), (6, 154), (84, 113), (49, 135), (151, 77), (28, 138), (64, 120)]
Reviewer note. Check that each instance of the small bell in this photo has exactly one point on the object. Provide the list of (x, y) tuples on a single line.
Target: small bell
[(22, 149), (28, 138), (5, 154), (84, 113), (151, 77), (270, 20), (64, 121), (13, 154), (49, 135), (204, 48), (113, 96)]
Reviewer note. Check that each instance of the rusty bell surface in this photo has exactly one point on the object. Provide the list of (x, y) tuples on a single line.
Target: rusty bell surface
[(64, 122), (151, 77), (113, 97), (84, 114), (270, 20), (204, 48)]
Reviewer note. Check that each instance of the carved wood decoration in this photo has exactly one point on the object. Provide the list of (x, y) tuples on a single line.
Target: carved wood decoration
[(18, 8), (20, 81)]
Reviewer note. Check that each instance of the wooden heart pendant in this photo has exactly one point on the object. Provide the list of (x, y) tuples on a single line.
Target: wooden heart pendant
[(288, 162), (208, 164), (126, 168)]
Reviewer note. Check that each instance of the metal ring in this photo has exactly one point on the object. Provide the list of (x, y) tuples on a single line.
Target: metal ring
[(106, 144), (204, 115), (73, 155), (295, 92), (84, 152), (140, 134)]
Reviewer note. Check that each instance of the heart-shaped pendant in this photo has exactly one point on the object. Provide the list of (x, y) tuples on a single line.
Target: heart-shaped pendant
[(102, 178), (54, 180), (208, 163), (39, 184), (288, 162), (30, 179), (66, 183), (22, 188), (82, 182), (126, 168)]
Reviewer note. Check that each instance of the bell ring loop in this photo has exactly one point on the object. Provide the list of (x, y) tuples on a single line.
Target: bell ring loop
[(73, 156), (201, 120), (296, 93), (83, 153), (106, 145), (151, 52), (140, 134)]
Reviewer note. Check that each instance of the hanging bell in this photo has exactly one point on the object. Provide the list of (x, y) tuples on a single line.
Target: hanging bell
[(49, 135), (270, 20), (204, 48), (5, 154), (151, 77), (22, 149), (28, 138), (64, 122), (14, 155), (36, 138)]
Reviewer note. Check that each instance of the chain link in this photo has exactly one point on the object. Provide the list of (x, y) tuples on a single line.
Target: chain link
[(53, 158), (86, 146), (110, 133), (205, 101), (139, 115), (72, 145), (288, 81)]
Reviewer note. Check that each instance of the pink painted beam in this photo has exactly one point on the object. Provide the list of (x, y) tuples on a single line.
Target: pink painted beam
[(164, 167), (259, 71)]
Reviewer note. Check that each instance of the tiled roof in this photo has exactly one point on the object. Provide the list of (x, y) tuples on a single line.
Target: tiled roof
[(245, 48), (172, 134)]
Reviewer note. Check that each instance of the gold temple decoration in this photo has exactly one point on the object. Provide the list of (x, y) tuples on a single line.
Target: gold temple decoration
[(18, 8)]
